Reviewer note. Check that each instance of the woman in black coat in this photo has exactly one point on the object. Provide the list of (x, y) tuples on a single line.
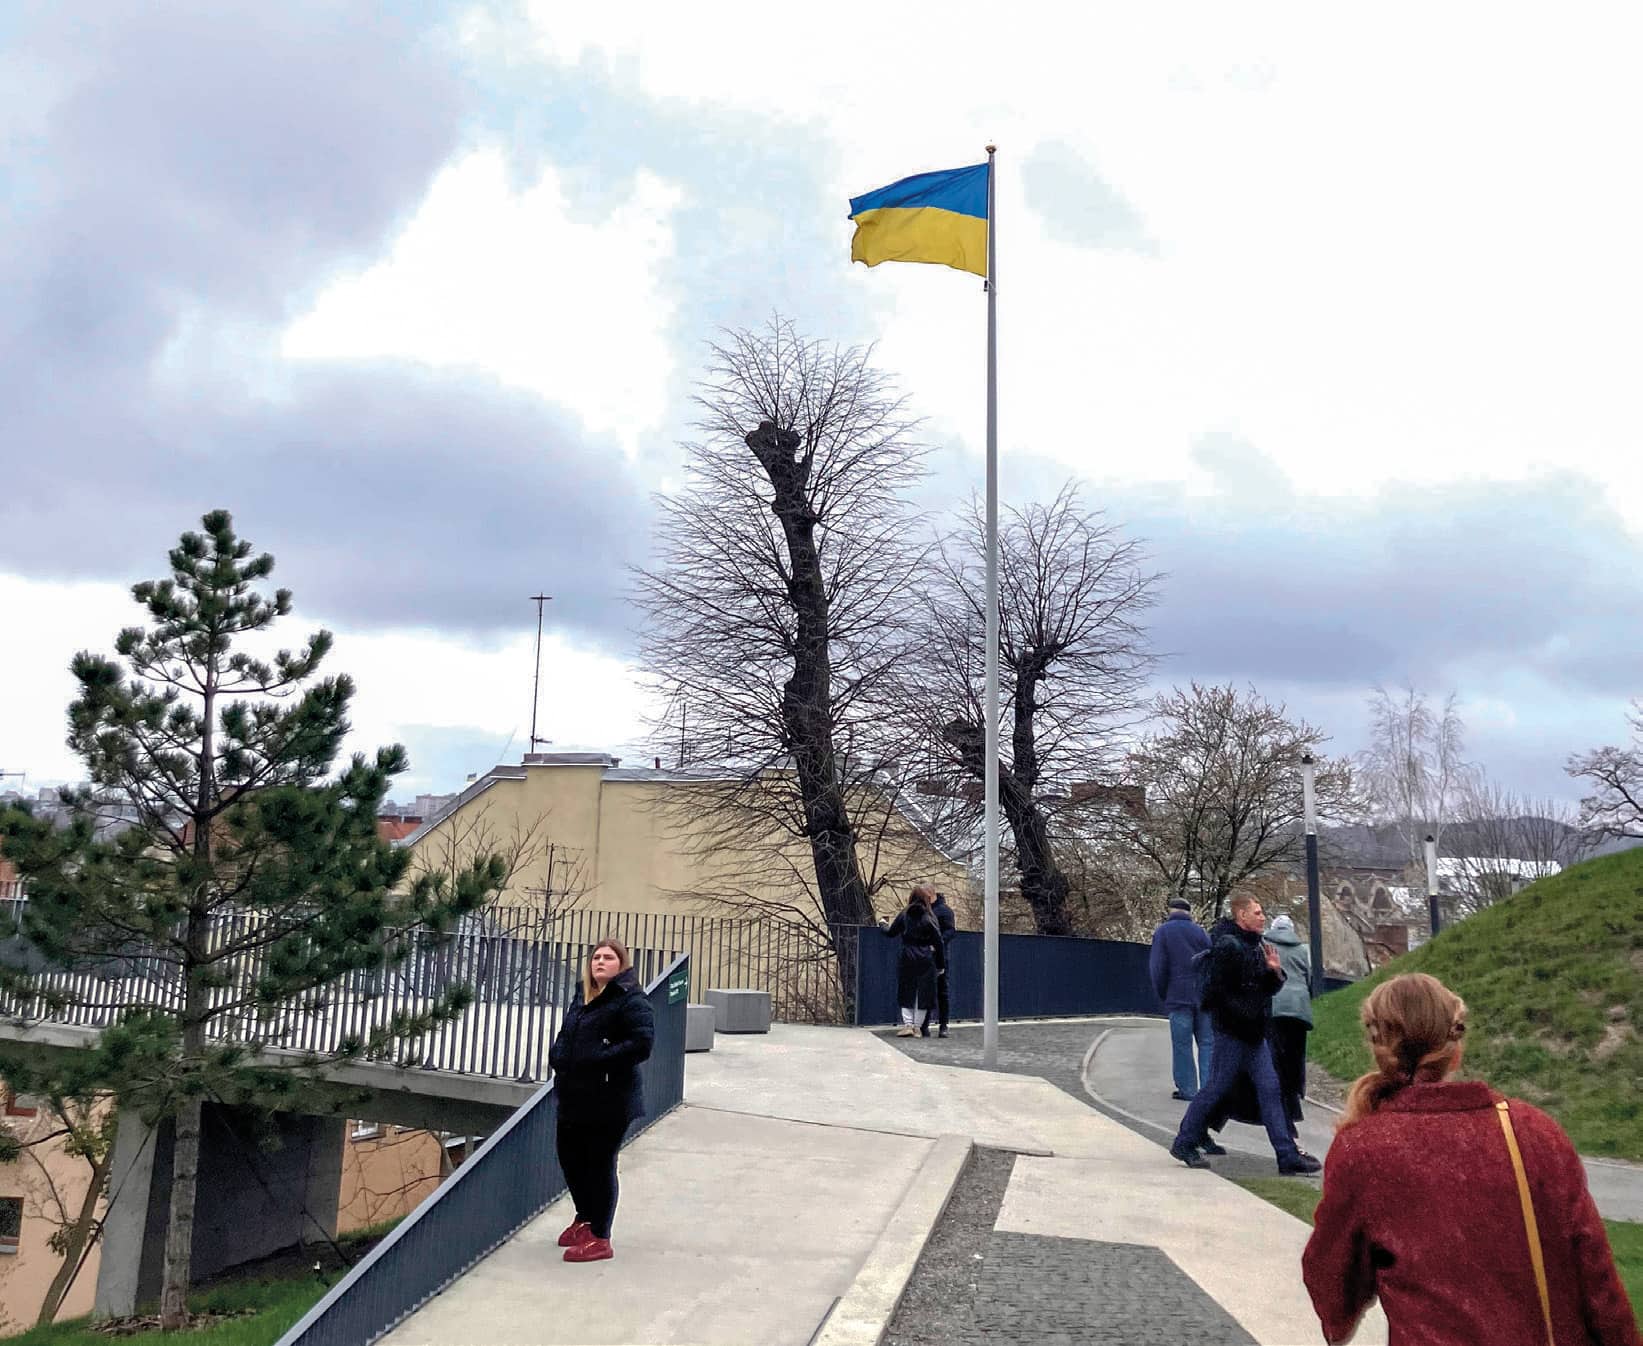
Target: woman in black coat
[(608, 1030), (923, 959)]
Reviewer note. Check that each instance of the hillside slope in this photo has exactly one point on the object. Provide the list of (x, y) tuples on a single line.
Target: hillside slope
[(1553, 979)]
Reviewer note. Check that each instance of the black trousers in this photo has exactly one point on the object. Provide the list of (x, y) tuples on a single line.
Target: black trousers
[(587, 1157), (1288, 1038), (944, 999)]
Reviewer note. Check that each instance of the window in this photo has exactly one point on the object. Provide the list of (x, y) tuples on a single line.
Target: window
[(11, 1223), (366, 1131), (21, 1105)]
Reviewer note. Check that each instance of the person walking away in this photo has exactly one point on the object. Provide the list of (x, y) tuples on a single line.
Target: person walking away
[(947, 923), (1465, 1213), (1175, 943), (609, 1030), (1241, 974), (922, 958), (1291, 1015)]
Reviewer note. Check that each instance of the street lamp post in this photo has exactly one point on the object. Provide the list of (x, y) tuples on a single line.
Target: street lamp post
[(1432, 911), (1314, 905)]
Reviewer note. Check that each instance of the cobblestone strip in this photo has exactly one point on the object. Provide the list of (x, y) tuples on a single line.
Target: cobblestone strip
[(939, 1307)]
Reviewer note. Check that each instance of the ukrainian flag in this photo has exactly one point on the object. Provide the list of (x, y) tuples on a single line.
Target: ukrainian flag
[(931, 217)]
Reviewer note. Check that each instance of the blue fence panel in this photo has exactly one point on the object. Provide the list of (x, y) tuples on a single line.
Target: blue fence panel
[(1040, 976), (510, 1180)]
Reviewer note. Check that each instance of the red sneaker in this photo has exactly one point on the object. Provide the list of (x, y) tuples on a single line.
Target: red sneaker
[(594, 1250), (576, 1234)]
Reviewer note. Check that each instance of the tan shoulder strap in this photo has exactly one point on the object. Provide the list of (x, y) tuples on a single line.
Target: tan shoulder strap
[(1530, 1227)]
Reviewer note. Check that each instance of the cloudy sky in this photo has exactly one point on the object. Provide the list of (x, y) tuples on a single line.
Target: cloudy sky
[(1338, 309)]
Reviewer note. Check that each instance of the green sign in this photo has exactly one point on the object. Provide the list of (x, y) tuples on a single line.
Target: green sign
[(678, 987)]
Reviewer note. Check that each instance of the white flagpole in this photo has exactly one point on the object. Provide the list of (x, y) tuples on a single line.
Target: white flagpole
[(989, 1006)]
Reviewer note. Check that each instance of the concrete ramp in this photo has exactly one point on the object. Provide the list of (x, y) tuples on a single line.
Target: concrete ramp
[(733, 1230)]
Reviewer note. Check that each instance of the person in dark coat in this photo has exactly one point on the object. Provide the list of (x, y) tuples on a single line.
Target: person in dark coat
[(948, 925), (1242, 974), (923, 958), (609, 1030), (1175, 944), (1421, 1205)]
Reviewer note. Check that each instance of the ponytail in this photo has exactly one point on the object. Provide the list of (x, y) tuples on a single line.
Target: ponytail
[(1415, 1027)]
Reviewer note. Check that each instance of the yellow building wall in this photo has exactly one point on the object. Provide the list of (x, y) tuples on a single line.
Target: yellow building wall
[(26, 1274), (632, 853), (387, 1172)]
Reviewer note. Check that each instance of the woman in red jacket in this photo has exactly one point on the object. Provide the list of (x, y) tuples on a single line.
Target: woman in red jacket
[(1422, 1207)]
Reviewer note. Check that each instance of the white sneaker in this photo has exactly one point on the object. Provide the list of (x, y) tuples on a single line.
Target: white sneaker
[(905, 1032)]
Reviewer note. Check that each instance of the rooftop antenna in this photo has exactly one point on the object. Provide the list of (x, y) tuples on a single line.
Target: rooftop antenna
[(536, 686)]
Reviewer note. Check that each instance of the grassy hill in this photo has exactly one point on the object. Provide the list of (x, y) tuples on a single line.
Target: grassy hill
[(1553, 979)]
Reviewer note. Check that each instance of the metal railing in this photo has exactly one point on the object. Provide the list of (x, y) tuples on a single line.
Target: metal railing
[(521, 966), (509, 1181)]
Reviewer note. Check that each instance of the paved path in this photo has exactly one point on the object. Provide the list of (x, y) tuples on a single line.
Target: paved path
[(746, 1214), (1093, 1213), (1129, 1073), (733, 1230)]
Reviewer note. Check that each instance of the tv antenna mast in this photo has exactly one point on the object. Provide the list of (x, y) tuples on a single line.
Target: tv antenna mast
[(536, 686)]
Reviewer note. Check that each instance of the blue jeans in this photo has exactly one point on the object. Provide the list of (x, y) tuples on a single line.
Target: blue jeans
[(1233, 1058), (1184, 1026)]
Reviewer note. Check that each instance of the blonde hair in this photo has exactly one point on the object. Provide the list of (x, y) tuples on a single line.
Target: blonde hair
[(1416, 1030), (623, 957), (1240, 904)]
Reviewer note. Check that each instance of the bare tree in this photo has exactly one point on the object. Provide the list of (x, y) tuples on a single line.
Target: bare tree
[(1615, 806), (549, 876), (1499, 840), (1073, 656), (776, 612), (1415, 766), (1223, 790), (83, 1128)]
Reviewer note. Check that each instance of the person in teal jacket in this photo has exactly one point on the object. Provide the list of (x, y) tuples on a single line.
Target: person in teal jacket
[(1291, 1015)]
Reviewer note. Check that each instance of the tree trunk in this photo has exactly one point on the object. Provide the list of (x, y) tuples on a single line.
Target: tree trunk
[(1043, 884), (179, 1233), (807, 717), (79, 1239)]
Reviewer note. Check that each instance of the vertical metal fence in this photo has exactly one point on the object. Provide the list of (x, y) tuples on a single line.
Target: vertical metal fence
[(522, 968), (510, 1180)]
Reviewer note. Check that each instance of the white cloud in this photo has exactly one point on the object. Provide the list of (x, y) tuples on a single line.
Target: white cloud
[(407, 681), (504, 279), (1393, 249)]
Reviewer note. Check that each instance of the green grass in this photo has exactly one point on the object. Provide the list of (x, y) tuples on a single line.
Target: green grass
[(276, 1305), (271, 1304), (1553, 979), (1300, 1199)]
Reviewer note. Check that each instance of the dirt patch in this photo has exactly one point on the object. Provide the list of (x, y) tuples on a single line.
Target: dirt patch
[(1324, 1087), (1615, 1036), (150, 1322)]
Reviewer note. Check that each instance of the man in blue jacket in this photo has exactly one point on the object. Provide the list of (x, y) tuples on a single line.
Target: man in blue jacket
[(1175, 981)]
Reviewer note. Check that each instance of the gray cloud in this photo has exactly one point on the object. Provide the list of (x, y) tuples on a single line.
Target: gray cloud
[(1079, 206), (201, 171), (1519, 594)]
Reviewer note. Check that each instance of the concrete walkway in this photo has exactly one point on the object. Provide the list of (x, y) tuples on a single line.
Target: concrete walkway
[(747, 1213), (1129, 1072), (733, 1229)]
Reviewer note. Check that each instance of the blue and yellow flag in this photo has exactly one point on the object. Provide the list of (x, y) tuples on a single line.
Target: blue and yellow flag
[(930, 217)]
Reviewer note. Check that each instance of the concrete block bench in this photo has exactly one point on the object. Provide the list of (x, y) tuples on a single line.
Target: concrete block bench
[(699, 1028), (740, 1011)]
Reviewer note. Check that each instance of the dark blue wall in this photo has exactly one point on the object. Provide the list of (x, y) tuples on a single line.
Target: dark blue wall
[(1040, 976)]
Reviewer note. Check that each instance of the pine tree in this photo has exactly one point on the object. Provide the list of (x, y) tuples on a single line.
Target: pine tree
[(253, 877)]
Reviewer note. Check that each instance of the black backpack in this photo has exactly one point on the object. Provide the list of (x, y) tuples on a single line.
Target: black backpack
[(1202, 980)]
